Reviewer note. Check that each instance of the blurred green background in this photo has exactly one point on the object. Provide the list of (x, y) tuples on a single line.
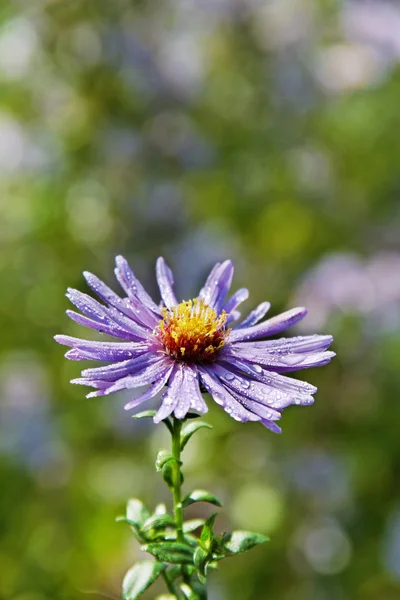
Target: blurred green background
[(266, 131)]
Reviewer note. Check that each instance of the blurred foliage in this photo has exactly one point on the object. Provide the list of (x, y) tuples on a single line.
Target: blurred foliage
[(263, 131)]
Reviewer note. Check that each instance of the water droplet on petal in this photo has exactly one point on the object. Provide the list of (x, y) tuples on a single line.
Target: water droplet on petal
[(291, 359)]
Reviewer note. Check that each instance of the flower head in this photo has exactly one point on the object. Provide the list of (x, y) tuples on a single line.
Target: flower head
[(193, 345)]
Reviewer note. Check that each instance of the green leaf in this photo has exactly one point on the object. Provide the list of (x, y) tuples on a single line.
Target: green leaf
[(200, 496), (136, 512), (201, 558), (166, 597), (174, 572), (172, 552), (145, 414), (188, 592), (134, 527), (207, 535), (158, 522), (193, 524), (150, 414), (200, 589), (241, 541), (168, 473), (161, 509), (163, 456), (139, 578), (189, 429)]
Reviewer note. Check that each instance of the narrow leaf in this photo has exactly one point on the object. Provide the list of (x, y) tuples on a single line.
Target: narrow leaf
[(193, 524), (201, 559), (172, 552), (136, 512), (207, 535), (189, 429), (161, 509), (134, 527), (145, 414), (201, 496), (241, 541), (139, 578), (188, 592), (158, 522)]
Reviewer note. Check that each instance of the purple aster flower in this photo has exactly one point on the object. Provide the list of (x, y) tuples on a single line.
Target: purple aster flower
[(193, 346)]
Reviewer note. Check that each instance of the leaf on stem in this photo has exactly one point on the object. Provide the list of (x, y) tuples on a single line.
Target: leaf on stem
[(201, 559), (161, 509), (207, 535), (201, 496), (139, 578), (136, 512), (189, 429), (172, 552), (168, 473), (158, 522), (193, 524), (188, 592), (145, 414), (241, 541), (163, 456)]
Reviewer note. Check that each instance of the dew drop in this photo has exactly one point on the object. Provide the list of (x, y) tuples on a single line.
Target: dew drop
[(290, 359), (230, 376)]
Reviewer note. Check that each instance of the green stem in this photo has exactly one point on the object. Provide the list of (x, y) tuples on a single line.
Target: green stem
[(176, 453), (178, 508), (169, 584)]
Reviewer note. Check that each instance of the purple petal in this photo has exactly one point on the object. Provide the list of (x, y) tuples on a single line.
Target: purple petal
[(256, 315), (233, 316), (258, 390), (156, 387), (134, 310), (105, 315), (112, 330), (148, 374), (217, 285), (118, 370), (262, 410), (190, 394), (224, 398), (101, 384), (269, 327), (96, 350), (132, 286), (237, 298), (295, 387), (271, 425), (309, 343), (172, 396), (280, 363), (165, 282)]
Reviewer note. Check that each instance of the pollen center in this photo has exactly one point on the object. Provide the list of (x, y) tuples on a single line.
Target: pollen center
[(192, 331)]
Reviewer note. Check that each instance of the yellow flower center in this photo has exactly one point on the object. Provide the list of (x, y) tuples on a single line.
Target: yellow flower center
[(192, 331)]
